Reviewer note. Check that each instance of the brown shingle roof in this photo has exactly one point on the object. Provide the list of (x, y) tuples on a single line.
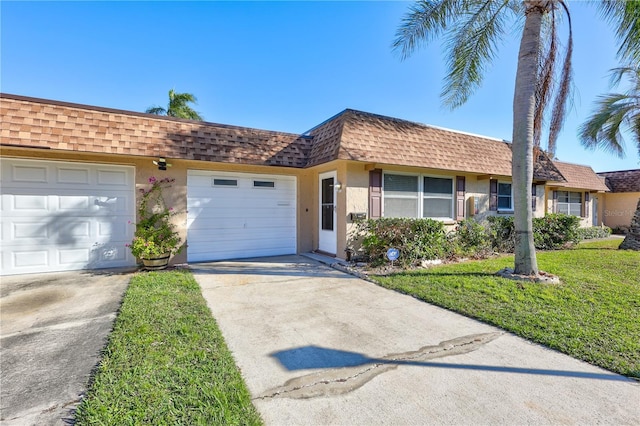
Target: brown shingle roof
[(350, 135), (580, 177), (57, 125), (623, 180), (362, 136)]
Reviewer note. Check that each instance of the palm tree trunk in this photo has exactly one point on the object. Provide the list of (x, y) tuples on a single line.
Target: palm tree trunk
[(522, 144)]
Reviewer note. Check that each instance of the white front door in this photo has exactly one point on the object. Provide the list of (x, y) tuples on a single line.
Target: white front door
[(327, 234)]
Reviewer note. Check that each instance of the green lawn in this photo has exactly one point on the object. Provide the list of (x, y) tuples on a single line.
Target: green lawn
[(166, 362), (594, 315)]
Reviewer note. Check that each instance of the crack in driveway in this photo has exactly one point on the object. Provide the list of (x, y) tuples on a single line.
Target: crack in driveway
[(338, 381)]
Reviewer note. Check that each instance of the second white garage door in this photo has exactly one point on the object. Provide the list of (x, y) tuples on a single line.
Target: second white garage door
[(240, 215)]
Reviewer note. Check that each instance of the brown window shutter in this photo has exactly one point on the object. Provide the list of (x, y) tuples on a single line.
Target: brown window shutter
[(533, 196), (585, 208), (460, 188), (375, 194), (493, 194)]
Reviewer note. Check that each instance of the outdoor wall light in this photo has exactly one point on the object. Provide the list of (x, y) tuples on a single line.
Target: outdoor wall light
[(162, 164), (338, 186)]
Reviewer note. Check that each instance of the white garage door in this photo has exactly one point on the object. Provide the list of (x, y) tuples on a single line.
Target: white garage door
[(60, 216), (239, 215)]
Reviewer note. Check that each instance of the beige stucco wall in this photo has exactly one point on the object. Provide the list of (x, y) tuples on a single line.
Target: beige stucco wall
[(618, 208)]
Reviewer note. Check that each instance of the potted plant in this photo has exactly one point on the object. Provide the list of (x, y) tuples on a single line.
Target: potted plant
[(155, 239)]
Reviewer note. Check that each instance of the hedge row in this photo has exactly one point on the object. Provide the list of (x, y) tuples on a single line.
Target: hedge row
[(427, 239)]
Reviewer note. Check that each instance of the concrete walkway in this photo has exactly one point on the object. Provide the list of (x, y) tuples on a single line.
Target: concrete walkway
[(53, 328), (318, 347)]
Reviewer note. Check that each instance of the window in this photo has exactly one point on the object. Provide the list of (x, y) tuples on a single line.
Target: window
[(418, 196), (569, 203), (437, 198), (400, 196), (505, 198), (225, 182), (264, 184)]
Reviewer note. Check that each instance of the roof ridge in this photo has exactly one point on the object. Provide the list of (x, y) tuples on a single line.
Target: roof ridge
[(572, 164), (431, 126), (619, 171), (333, 117)]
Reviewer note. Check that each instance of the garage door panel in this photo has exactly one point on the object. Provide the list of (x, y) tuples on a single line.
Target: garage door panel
[(213, 253), (230, 234), (77, 218), (30, 258), (75, 176), (29, 231), (241, 221), (272, 225), (250, 243), (206, 196), (29, 174)]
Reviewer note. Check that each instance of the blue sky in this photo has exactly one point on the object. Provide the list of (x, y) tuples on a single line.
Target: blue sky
[(283, 66)]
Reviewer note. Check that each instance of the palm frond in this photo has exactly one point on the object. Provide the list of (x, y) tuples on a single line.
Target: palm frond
[(602, 128), (559, 111), (625, 17), (156, 110), (473, 43), (618, 73), (425, 21), (544, 91)]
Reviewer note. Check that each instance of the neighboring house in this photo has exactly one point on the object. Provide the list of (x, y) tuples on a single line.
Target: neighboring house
[(620, 204), (70, 174)]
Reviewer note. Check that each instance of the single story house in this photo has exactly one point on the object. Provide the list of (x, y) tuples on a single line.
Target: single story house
[(622, 198), (70, 175)]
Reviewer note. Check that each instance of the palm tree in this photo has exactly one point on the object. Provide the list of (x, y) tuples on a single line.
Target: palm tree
[(473, 29), (178, 107), (602, 128)]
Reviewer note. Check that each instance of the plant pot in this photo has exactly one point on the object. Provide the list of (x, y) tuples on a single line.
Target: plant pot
[(156, 263)]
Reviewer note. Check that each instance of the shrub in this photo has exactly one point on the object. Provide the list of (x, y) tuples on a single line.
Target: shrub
[(470, 238), (555, 231), (552, 232), (426, 239), (417, 239), (501, 232), (594, 232)]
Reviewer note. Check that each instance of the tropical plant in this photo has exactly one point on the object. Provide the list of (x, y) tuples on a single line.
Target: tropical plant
[(178, 107), (613, 112), (473, 30), (155, 235), (603, 128)]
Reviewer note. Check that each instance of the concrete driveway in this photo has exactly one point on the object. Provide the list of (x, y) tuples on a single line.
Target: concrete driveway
[(319, 347), (52, 330)]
